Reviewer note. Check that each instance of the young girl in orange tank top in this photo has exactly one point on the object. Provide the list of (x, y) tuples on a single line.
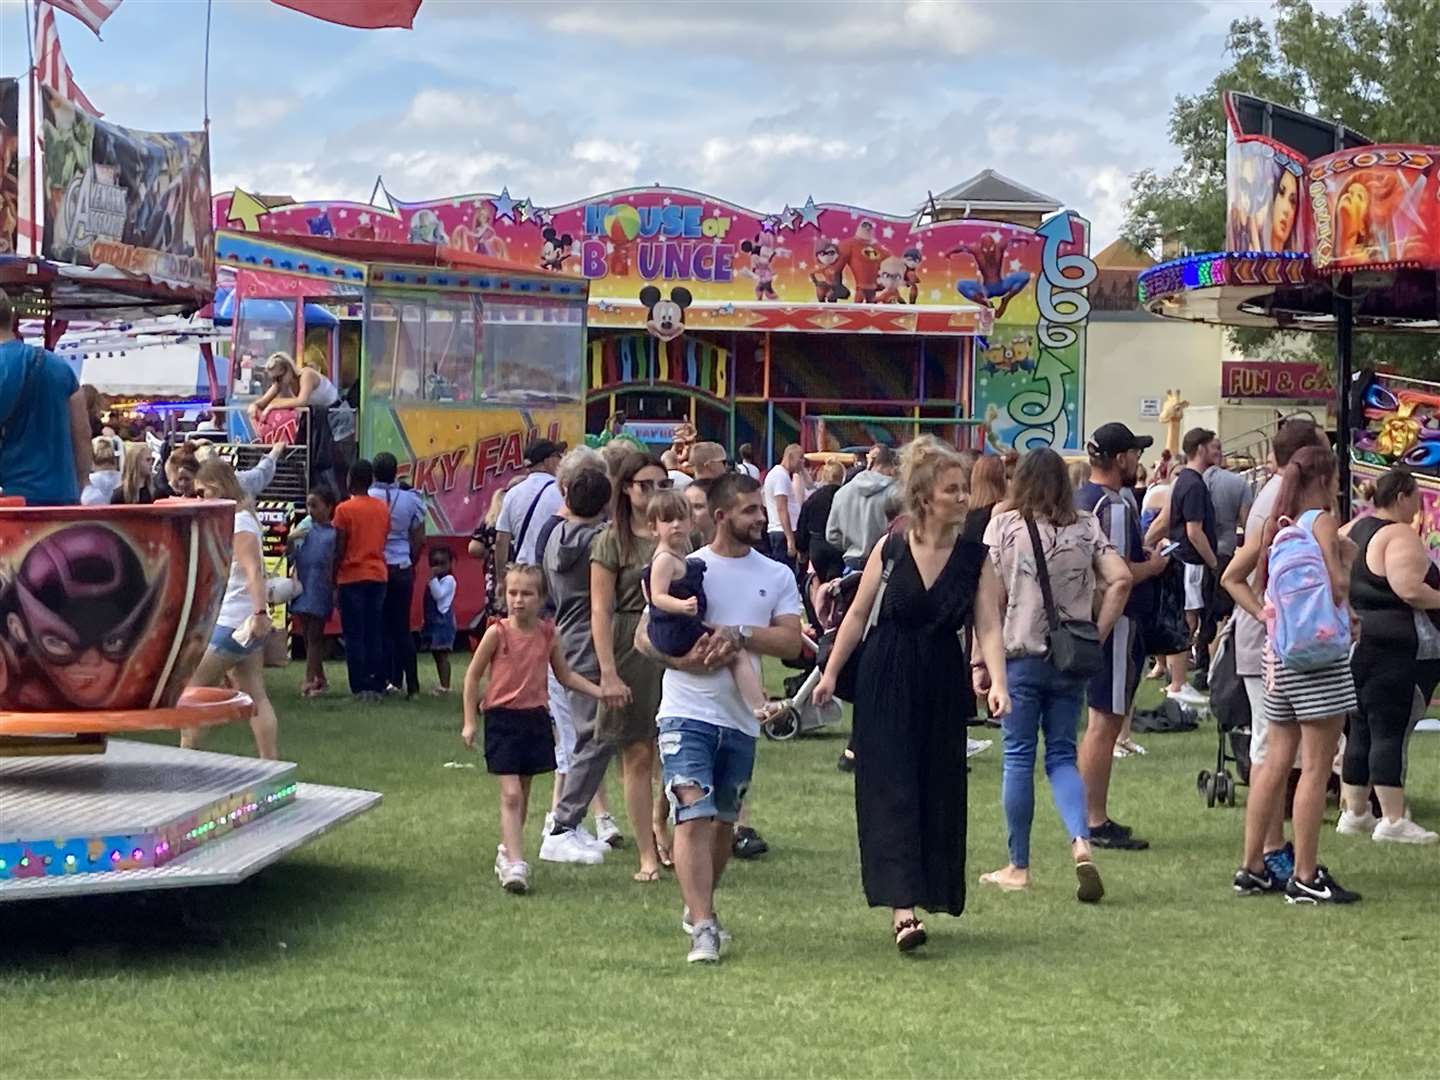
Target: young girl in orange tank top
[(519, 740)]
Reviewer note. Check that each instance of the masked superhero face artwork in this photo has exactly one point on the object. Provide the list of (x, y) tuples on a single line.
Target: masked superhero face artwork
[(78, 606)]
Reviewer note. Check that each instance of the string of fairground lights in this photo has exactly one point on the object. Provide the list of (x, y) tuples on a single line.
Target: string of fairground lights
[(163, 847), (1201, 271)]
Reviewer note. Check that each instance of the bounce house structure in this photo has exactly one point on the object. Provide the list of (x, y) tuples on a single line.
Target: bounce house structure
[(823, 324)]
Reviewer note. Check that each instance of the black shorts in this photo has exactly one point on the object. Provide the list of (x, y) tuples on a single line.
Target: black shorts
[(519, 742), (1113, 689)]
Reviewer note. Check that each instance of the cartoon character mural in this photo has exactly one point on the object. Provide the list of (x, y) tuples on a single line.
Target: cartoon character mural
[(665, 319), (1263, 193), (425, 228), (997, 281), (101, 616), (722, 254)]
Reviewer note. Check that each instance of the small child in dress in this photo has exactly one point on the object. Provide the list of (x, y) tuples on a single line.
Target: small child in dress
[(675, 588), (519, 736), (437, 634), (313, 557)]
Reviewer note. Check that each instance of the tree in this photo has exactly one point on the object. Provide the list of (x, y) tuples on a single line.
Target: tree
[(1372, 67)]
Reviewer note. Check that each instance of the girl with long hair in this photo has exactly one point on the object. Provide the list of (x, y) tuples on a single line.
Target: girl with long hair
[(244, 621), (1305, 710)]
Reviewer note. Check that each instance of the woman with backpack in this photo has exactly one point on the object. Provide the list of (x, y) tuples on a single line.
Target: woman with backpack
[(1304, 576), (1395, 591)]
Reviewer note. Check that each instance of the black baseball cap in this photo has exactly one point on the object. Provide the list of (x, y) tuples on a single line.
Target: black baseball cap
[(544, 448), (1116, 438)]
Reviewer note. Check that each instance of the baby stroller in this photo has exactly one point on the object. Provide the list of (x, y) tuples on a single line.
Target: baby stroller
[(1231, 706), (801, 714)]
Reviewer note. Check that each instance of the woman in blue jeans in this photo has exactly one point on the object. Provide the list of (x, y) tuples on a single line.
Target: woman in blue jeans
[(1086, 576)]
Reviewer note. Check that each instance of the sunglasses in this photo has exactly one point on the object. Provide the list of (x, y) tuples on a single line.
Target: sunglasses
[(655, 485)]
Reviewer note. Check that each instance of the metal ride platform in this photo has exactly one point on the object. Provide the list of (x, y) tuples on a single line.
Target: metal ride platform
[(142, 816)]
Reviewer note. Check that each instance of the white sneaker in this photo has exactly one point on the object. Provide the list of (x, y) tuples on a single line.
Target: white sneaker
[(588, 839), (607, 831), (689, 927), (1404, 831), (569, 847), (1188, 695), (1356, 824), (977, 746), (514, 875), (547, 826)]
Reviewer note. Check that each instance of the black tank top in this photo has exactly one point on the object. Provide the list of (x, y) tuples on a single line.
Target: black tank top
[(1385, 619)]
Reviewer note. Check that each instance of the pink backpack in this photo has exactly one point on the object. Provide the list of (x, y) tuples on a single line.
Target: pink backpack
[(1307, 629)]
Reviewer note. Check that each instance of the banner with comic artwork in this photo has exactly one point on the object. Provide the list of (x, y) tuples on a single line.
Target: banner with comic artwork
[(749, 267), (9, 165), (135, 200)]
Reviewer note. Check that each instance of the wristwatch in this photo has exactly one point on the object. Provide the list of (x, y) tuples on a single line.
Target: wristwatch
[(745, 633)]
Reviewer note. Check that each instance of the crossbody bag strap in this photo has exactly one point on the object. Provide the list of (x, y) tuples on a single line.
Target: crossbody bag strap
[(1043, 573), (888, 553), (32, 364), (525, 525)]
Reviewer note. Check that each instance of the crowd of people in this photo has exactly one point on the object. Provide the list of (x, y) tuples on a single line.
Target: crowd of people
[(631, 598)]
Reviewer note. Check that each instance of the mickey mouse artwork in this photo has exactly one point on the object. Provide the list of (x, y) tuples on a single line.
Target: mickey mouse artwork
[(556, 250), (665, 319)]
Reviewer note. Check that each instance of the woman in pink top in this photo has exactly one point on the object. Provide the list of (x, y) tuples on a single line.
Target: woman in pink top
[(519, 742)]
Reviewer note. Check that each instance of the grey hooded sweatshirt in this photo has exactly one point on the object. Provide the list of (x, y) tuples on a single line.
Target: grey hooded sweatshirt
[(858, 515), (567, 574)]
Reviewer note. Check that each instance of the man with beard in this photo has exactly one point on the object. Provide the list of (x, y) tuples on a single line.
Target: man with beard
[(1114, 458), (707, 734)]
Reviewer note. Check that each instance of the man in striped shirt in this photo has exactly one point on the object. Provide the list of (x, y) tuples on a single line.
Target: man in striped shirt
[(1114, 458)]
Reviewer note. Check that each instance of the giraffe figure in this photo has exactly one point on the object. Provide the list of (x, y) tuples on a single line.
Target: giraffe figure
[(1172, 415)]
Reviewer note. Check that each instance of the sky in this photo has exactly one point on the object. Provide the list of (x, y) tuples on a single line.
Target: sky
[(762, 104)]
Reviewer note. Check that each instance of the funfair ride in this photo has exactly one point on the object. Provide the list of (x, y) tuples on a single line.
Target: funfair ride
[(1329, 233)]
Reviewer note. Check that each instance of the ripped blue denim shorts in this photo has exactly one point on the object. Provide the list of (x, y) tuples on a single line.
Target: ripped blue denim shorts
[(717, 760)]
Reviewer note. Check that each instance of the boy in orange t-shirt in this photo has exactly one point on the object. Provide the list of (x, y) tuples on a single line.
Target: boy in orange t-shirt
[(361, 524)]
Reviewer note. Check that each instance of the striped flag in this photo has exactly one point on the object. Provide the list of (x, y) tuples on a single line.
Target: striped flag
[(50, 66), (361, 14), (92, 13)]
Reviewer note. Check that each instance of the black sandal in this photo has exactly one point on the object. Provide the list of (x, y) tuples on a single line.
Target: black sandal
[(909, 934)]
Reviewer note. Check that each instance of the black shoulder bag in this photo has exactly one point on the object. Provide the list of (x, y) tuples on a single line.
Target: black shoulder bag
[(1075, 643), (847, 679)]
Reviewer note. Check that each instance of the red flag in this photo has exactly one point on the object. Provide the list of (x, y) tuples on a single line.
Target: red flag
[(92, 13), (361, 14), (50, 66)]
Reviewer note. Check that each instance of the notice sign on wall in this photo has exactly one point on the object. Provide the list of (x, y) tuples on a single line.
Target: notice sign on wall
[(1150, 408)]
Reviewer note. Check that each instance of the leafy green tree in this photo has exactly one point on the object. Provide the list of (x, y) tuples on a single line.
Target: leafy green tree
[(1373, 67)]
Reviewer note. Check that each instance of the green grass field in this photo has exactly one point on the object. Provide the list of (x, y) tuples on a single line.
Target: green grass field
[(387, 948)]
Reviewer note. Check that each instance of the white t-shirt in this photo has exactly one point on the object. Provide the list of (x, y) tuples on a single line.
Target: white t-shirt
[(238, 604), (783, 490), (680, 480), (1249, 631), (442, 591), (749, 591), (750, 470), (539, 486)]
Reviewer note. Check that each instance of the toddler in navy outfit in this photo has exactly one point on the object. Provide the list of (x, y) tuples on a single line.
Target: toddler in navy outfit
[(675, 587)]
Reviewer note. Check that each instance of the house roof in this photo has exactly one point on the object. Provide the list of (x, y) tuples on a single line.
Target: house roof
[(990, 190), (1122, 256)]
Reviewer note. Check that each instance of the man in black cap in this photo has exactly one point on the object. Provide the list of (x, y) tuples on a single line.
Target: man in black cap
[(528, 505), (1114, 458)]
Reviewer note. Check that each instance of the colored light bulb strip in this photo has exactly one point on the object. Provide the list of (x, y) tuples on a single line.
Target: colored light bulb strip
[(120, 852), (1210, 269)]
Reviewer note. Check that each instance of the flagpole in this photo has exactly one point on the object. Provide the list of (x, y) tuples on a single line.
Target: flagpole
[(209, 4), (34, 135)]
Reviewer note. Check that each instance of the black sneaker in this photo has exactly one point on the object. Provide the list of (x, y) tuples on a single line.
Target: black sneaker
[(846, 762), (1249, 883), (749, 844), (1324, 889), (1116, 836)]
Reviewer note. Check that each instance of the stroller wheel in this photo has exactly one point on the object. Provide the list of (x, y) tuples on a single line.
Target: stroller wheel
[(1212, 789), (1226, 792), (784, 727), (1202, 781)]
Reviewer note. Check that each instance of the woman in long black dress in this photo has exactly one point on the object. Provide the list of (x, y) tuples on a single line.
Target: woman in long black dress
[(914, 696)]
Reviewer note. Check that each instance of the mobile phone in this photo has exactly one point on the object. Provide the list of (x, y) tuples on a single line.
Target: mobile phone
[(1169, 547)]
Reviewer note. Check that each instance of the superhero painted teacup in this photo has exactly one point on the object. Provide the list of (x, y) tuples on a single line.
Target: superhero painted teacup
[(108, 608)]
